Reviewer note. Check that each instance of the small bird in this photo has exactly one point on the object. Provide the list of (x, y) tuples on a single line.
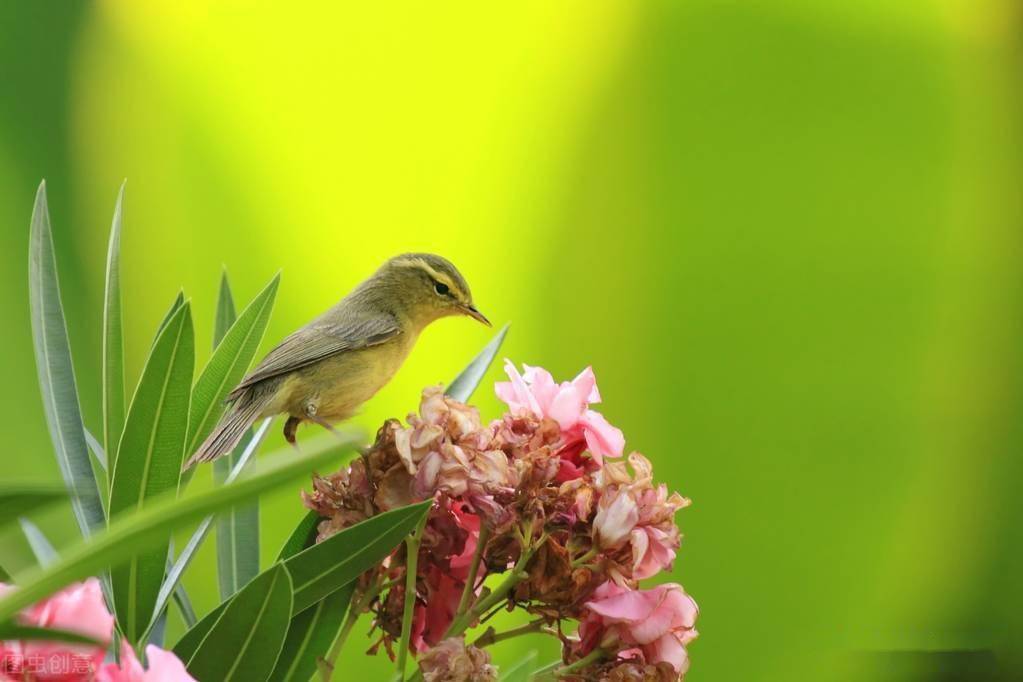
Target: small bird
[(324, 371)]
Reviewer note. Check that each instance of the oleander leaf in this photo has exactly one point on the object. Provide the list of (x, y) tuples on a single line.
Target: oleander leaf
[(225, 313), (312, 632), (179, 301), (18, 499), (56, 374), (148, 463), (302, 537), (42, 550), (461, 389), (238, 528), (151, 526), (227, 365), (521, 671), (113, 338), (310, 636), (171, 582), (12, 631), (98, 451), (330, 565), (245, 641)]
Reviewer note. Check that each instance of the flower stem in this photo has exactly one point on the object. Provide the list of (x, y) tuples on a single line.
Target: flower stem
[(326, 665), (411, 566), (469, 591), (584, 558), (491, 637), (515, 576), (591, 657)]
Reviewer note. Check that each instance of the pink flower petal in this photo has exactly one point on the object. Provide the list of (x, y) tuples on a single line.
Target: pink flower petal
[(586, 383), (669, 649), (164, 666), (602, 439), (567, 407), (627, 607)]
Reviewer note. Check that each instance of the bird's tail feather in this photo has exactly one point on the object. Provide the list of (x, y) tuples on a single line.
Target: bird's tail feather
[(229, 430)]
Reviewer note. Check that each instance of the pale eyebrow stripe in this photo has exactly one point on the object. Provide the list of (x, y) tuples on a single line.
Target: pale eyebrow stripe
[(426, 267)]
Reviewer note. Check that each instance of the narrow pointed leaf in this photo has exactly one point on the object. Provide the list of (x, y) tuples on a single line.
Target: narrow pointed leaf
[(17, 499), (4, 575), (310, 636), (41, 548), (235, 342), (98, 451), (522, 670), (151, 527), (225, 315), (158, 632), (179, 301), (113, 337), (173, 577), (245, 641), (228, 364), (11, 631), (149, 463), (185, 608), (56, 374), (312, 632), (302, 537), (465, 383), (330, 565)]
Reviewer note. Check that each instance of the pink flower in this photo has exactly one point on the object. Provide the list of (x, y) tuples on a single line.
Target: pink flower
[(164, 666), (632, 511), (535, 392), (431, 621), (617, 514), (78, 608), (658, 622)]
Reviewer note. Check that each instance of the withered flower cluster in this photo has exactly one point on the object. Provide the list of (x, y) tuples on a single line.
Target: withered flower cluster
[(540, 496)]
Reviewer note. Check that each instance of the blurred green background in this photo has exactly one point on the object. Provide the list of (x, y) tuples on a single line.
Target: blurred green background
[(786, 235)]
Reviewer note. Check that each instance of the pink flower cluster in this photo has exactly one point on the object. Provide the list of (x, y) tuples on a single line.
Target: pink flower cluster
[(80, 609), (543, 497)]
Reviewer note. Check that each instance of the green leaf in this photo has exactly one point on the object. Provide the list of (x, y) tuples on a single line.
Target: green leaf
[(238, 529), (56, 373), (113, 338), (522, 670), (10, 631), (152, 526), (333, 563), (225, 315), (311, 632), (98, 450), (465, 383), (177, 570), (149, 463), (41, 548), (227, 365), (179, 301), (310, 635), (245, 641), (4, 575), (302, 537), (330, 565), (18, 499)]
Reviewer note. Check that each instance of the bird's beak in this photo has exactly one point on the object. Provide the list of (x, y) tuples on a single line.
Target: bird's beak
[(471, 311)]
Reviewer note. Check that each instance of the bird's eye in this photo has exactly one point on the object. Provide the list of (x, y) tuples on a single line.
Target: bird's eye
[(441, 288)]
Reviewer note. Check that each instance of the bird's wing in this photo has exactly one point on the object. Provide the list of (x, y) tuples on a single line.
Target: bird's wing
[(320, 340)]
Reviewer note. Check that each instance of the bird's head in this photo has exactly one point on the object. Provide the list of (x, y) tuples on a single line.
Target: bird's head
[(430, 287)]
